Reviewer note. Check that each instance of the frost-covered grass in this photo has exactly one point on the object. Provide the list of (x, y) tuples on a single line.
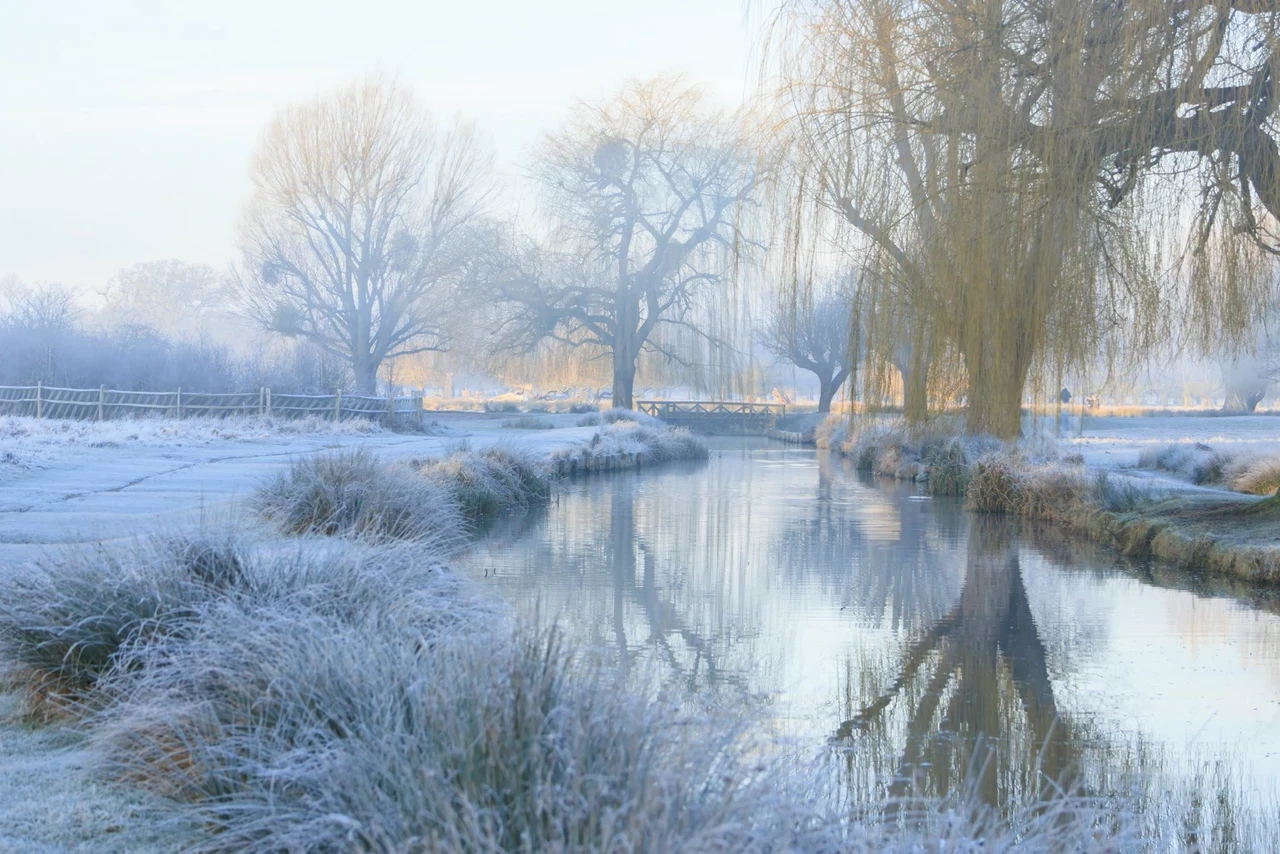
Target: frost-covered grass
[(71, 621), (1255, 471), (642, 442), (32, 443), (483, 484), (294, 698), (528, 422), (355, 494), (616, 415)]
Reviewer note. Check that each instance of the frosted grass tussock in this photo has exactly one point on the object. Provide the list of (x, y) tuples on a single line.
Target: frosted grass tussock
[(287, 731), (282, 729), (1258, 477), (67, 620), (483, 484), (354, 494), (617, 415), (64, 619), (1255, 471), (654, 444)]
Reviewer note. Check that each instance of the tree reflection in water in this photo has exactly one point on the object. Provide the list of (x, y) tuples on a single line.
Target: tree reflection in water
[(981, 711)]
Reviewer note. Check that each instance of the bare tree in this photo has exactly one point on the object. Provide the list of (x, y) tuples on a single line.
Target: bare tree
[(816, 333), (647, 197), (171, 297), (361, 224)]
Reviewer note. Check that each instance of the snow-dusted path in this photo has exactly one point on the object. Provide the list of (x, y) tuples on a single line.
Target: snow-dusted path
[(86, 493)]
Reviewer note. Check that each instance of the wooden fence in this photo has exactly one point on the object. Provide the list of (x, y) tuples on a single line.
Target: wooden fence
[(101, 404)]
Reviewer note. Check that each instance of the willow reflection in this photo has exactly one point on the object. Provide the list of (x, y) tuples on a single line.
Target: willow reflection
[(979, 712)]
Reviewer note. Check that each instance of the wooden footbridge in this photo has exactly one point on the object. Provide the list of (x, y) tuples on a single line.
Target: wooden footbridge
[(715, 416)]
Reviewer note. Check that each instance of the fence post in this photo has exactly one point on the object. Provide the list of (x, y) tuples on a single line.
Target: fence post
[(39, 398), (391, 405), (337, 406), (102, 393), (268, 402), (262, 401), (179, 401)]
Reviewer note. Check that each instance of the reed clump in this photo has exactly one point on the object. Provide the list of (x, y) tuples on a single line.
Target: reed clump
[(354, 494), (70, 622), (483, 484), (948, 468)]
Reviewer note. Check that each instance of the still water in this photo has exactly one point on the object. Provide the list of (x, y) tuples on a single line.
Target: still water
[(927, 647)]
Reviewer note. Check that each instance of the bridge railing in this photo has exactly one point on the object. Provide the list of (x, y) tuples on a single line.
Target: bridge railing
[(686, 408)]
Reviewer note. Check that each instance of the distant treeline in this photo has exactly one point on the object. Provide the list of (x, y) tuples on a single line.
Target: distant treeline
[(43, 339)]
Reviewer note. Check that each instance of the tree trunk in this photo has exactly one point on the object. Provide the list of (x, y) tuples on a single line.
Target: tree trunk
[(624, 380), (994, 405), (1239, 400), (365, 372), (826, 393), (915, 394)]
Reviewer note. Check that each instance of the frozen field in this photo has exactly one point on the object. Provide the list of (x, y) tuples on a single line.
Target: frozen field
[(67, 482), (1113, 442)]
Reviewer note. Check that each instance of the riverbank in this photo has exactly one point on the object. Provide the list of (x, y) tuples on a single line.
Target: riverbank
[(1141, 489)]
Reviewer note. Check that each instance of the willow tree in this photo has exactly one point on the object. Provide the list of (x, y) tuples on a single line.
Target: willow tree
[(361, 225), (647, 199), (1019, 170)]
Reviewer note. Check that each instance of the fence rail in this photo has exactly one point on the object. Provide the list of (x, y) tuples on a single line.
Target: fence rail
[(660, 408), (103, 404), (715, 416)]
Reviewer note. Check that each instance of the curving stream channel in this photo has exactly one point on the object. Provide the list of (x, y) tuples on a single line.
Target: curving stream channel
[(932, 649)]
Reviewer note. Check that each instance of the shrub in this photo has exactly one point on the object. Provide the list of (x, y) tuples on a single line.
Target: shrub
[(948, 468), (353, 494)]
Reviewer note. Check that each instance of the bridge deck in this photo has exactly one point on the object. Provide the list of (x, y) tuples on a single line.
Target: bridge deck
[(732, 416)]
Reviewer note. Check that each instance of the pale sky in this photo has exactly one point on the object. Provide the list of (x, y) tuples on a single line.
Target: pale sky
[(128, 126)]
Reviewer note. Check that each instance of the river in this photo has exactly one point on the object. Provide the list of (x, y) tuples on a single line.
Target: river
[(930, 649)]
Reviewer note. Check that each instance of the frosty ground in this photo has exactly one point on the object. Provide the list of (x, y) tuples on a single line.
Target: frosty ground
[(67, 482)]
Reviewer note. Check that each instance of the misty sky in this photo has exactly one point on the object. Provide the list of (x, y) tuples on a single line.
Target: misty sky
[(128, 126)]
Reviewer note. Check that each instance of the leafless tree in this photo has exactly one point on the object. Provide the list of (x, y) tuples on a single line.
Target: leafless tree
[(171, 297), (361, 224), (648, 198), (816, 332)]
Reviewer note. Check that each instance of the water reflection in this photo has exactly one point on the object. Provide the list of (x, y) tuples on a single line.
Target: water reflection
[(978, 674), (933, 649)]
